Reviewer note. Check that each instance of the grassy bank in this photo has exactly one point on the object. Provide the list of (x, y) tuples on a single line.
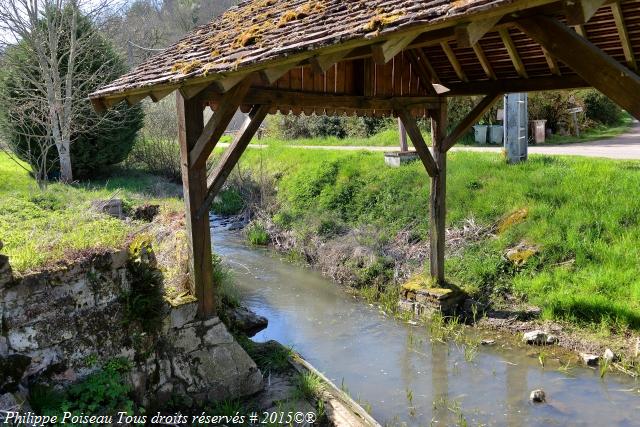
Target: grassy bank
[(581, 214), (594, 134), (39, 227)]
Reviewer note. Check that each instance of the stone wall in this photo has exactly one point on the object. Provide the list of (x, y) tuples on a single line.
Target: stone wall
[(61, 324)]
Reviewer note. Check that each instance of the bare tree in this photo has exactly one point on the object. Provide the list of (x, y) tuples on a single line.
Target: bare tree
[(54, 84)]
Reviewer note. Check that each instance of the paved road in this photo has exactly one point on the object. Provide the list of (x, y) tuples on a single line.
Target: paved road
[(625, 146)]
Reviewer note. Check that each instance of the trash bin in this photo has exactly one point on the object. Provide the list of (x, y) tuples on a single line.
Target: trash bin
[(538, 130), (481, 133), (496, 134)]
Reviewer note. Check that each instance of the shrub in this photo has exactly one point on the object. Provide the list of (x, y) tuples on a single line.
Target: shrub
[(106, 391), (228, 202), (257, 234), (299, 127), (96, 141), (601, 109)]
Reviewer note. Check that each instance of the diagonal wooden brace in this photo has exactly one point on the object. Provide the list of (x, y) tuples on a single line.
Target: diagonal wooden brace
[(471, 118), (418, 141), (218, 123), (232, 154), (592, 64)]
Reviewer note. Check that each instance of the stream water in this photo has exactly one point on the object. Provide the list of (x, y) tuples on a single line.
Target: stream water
[(395, 370)]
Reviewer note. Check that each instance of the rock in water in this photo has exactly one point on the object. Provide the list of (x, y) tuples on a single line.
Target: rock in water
[(539, 337), (590, 359), (538, 396), (242, 319), (609, 356)]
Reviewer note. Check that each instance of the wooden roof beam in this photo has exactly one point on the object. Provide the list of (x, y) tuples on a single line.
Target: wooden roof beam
[(273, 74), (384, 52), (134, 99), (486, 65), (627, 47), (191, 91), (513, 53), (517, 85), (322, 63), (580, 11), (551, 61), (232, 154), (454, 61), (159, 94), (581, 30), (468, 34), (326, 101), (470, 119), (218, 123), (596, 67), (423, 70)]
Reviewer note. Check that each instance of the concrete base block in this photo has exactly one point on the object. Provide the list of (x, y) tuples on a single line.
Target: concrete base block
[(397, 158)]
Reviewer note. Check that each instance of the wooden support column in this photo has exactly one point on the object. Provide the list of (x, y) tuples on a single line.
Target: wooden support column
[(194, 181), (403, 137), (438, 209)]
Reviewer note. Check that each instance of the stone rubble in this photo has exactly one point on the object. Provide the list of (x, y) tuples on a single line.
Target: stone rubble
[(590, 359), (539, 337)]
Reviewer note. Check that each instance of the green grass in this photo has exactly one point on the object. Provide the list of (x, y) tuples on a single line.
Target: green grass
[(583, 213), (386, 138), (39, 227)]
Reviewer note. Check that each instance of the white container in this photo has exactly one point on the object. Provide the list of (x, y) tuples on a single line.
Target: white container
[(496, 134), (481, 133)]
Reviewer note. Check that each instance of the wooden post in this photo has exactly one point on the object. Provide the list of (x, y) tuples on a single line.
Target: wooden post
[(404, 147), (194, 182), (438, 209)]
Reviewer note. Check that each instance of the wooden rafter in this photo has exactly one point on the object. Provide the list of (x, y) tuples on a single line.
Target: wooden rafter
[(551, 62), (486, 65), (627, 47), (469, 120), (596, 67), (513, 53), (322, 63), (159, 94), (580, 11), (581, 30), (273, 74), (418, 141), (468, 34), (219, 175), (454, 61), (423, 71), (218, 123), (384, 52), (190, 91)]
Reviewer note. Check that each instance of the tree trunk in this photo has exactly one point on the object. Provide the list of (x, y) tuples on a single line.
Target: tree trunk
[(64, 153)]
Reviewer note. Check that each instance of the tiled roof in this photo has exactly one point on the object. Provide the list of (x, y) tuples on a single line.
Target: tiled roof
[(260, 31)]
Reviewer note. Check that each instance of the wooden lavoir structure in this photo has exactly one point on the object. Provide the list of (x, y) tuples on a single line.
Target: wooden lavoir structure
[(374, 57)]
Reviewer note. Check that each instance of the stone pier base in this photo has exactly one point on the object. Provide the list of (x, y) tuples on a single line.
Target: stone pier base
[(419, 298)]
